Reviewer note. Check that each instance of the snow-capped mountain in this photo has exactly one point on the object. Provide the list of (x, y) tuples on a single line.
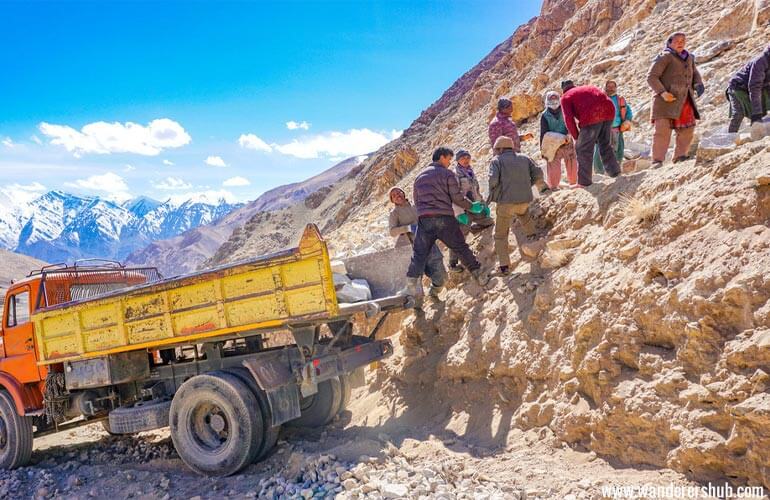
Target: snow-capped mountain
[(61, 227)]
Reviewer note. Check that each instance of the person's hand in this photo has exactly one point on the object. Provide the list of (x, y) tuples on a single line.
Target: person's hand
[(476, 207), (699, 89), (546, 191), (668, 97), (527, 137)]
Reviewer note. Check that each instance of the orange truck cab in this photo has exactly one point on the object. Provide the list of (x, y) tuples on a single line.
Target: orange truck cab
[(20, 375)]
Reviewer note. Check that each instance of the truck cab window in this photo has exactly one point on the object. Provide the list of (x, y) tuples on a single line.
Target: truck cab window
[(18, 309)]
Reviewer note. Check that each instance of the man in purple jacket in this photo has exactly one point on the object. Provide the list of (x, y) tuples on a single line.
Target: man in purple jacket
[(435, 190), (748, 91)]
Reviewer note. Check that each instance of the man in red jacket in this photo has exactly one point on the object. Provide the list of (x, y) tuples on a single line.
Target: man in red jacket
[(594, 112)]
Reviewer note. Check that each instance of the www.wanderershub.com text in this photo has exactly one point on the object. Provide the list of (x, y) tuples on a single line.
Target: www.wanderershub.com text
[(683, 491)]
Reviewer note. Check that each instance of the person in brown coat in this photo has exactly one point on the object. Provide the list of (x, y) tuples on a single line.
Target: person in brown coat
[(675, 81)]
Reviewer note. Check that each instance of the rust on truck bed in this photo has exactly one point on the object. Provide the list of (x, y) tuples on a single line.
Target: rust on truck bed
[(268, 292)]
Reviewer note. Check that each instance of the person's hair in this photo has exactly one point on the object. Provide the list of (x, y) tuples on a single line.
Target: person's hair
[(674, 35), (442, 151), (610, 81)]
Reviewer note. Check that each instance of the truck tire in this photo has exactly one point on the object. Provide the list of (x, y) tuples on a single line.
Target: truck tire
[(270, 436), (320, 408), (346, 390), (15, 435), (214, 418), (142, 416)]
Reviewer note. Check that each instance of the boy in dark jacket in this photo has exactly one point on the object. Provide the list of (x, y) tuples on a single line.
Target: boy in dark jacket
[(748, 91)]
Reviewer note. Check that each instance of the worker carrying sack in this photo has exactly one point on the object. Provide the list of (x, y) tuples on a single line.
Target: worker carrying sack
[(552, 141)]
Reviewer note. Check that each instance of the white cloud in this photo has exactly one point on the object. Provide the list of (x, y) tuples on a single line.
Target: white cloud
[(210, 197), (36, 140), (112, 184), (23, 193), (7, 142), (353, 142), (171, 184), (128, 167), (236, 181), (292, 125), (251, 141), (129, 137), (168, 163), (215, 161)]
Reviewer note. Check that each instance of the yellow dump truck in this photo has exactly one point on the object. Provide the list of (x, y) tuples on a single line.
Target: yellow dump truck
[(204, 353)]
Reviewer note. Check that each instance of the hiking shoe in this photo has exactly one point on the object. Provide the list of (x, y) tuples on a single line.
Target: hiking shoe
[(480, 277), (505, 270), (681, 158), (456, 268), (656, 164)]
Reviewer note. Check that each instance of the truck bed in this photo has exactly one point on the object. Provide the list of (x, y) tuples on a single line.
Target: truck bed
[(269, 292)]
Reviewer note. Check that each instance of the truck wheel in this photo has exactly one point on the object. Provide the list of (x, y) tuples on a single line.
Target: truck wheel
[(270, 436), (142, 416), (106, 427), (15, 435), (214, 418), (346, 390), (320, 408)]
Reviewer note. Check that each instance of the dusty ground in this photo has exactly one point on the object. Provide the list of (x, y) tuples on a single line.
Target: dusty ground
[(372, 452)]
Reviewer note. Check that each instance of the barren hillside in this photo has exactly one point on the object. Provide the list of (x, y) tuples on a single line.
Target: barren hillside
[(642, 333)]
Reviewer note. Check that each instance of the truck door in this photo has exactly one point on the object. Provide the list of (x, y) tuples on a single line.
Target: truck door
[(20, 360)]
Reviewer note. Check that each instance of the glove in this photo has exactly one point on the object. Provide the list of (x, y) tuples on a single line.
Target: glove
[(756, 118), (699, 89), (463, 219), (476, 207), (485, 211)]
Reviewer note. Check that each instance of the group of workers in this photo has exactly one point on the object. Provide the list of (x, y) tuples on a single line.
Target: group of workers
[(582, 129)]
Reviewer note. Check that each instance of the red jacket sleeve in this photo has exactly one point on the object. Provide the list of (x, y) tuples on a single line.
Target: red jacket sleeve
[(569, 116)]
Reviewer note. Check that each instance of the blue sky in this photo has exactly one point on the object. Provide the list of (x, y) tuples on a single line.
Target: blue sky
[(167, 99)]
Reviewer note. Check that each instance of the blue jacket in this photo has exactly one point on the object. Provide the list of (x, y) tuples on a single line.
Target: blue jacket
[(629, 114)]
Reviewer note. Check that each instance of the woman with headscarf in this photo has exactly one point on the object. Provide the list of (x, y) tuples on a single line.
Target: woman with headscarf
[(675, 81), (556, 145)]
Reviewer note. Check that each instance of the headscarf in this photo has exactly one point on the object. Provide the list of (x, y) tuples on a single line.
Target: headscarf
[(550, 94)]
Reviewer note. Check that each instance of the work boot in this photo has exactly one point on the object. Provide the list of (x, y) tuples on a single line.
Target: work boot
[(414, 289), (480, 277), (435, 291), (505, 270), (456, 268)]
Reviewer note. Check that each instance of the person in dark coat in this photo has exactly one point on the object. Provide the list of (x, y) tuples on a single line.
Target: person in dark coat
[(749, 91), (675, 81), (594, 112), (435, 191)]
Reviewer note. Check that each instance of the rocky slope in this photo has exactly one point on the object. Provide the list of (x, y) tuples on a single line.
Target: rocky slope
[(14, 266), (642, 332)]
